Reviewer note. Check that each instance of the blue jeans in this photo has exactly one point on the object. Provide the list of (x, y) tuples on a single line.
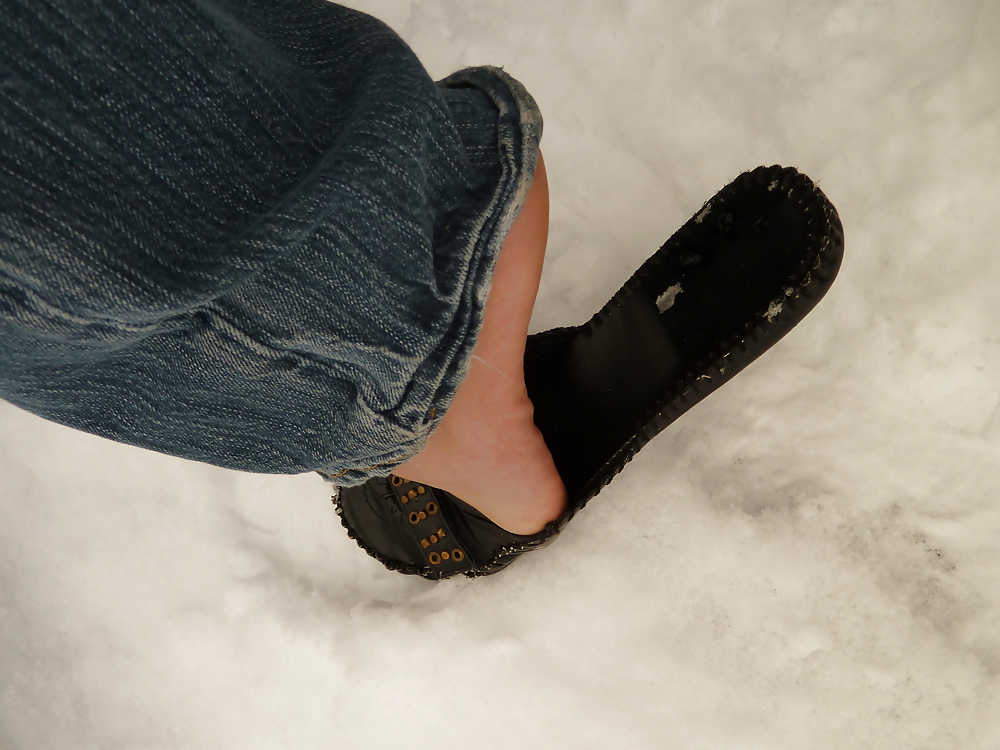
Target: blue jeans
[(254, 234)]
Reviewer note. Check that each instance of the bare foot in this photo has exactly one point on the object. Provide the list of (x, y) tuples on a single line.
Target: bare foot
[(487, 450)]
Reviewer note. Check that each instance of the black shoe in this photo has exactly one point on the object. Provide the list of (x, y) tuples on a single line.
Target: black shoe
[(731, 282)]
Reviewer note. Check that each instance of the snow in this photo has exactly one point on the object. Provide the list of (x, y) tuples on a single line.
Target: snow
[(808, 559), (666, 300), (774, 309)]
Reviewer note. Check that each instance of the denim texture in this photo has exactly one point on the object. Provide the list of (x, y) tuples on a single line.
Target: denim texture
[(254, 234)]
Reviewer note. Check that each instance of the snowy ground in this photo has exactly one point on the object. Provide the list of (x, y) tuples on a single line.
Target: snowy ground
[(809, 559)]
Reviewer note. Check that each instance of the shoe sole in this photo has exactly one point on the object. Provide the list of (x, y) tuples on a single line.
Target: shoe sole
[(725, 288)]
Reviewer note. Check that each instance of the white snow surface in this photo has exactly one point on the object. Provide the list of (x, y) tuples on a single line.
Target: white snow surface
[(808, 559)]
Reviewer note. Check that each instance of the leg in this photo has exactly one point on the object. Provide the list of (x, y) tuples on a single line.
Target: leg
[(487, 450), (265, 244)]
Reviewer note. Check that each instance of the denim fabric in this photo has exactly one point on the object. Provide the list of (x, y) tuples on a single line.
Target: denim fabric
[(254, 234)]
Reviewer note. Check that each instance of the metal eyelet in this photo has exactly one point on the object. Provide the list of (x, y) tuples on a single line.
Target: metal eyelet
[(457, 555), (396, 481), (434, 558), (414, 517), (432, 508)]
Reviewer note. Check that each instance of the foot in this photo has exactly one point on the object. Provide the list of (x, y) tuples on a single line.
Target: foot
[(720, 292), (487, 450)]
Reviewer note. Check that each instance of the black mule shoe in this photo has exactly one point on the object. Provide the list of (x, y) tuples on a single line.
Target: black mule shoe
[(731, 282)]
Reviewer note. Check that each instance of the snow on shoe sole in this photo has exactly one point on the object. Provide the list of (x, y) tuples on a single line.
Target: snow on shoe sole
[(720, 292)]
